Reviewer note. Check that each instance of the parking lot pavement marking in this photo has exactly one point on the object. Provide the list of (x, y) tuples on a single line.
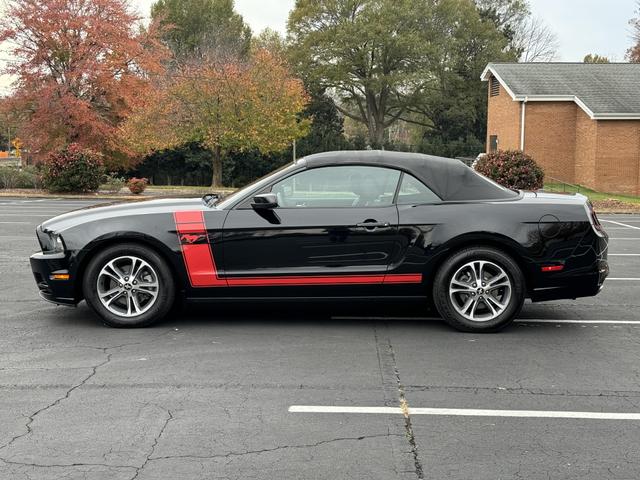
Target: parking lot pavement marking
[(622, 224), (20, 223), (624, 254), (624, 238), (624, 279), (584, 322), (518, 320), (23, 215), (466, 412)]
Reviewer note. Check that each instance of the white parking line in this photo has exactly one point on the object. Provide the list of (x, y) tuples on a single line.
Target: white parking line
[(519, 320), (624, 238), (631, 220), (623, 279), (622, 224), (624, 254), (17, 223), (466, 412), (577, 322), (23, 215)]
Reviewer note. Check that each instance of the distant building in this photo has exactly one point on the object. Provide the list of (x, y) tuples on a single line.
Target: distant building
[(580, 122)]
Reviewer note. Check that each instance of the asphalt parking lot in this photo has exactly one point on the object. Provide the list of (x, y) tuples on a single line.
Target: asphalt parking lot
[(240, 392)]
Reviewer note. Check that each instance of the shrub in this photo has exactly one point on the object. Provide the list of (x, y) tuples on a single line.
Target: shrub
[(13, 177), (137, 185), (112, 183), (512, 169), (73, 169)]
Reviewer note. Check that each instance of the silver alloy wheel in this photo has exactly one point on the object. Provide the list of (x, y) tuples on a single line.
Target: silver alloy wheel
[(480, 291), (128, 286)]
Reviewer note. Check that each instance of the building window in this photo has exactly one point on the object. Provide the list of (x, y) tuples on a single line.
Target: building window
[(493, 143), (495, 87)]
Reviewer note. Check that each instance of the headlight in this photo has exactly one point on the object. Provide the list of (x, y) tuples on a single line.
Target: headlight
[(58, 243), (51, 242)]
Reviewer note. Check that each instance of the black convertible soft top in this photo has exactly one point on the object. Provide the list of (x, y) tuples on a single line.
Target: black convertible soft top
[(450, 179)]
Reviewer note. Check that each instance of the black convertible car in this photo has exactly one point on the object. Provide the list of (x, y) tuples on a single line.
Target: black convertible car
[(338, 225)]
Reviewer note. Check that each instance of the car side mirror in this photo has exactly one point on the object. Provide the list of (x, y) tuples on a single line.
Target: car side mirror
[(265, 201)]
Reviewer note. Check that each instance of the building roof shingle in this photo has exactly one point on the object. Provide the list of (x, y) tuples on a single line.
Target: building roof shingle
[(608, 90)]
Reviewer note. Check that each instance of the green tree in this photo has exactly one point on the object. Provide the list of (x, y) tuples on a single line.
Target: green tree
[(271, 40), (415, 60), (507, 16), (370, 53), (530, 39), (595, 58), (327, 128), (453, 111), (197, 28)]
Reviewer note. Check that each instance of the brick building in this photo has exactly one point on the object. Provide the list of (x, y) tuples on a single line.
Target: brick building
[(580, 122)]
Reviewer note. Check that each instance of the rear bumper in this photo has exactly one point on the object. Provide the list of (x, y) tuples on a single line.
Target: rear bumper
[(574, 286), (583, 276), (60, 292)]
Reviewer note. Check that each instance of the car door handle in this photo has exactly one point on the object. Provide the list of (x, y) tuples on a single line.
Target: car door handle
[(373, 225)]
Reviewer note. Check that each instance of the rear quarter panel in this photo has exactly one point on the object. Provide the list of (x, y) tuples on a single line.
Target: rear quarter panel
[(532, 232)]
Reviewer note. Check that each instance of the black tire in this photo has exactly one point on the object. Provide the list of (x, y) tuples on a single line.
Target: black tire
[(165, 291), (444, 303)]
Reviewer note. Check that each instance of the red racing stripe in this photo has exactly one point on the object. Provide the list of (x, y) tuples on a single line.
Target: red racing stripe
[(198, 257), (403, 278)]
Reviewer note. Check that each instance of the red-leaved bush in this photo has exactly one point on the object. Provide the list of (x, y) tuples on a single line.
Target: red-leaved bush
[(137, 185), (512, 169), (73, 169)]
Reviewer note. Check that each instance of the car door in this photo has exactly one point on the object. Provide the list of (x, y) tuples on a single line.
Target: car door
[(332, 226)]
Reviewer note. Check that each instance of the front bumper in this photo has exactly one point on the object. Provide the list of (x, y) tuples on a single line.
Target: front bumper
[(60, 292)]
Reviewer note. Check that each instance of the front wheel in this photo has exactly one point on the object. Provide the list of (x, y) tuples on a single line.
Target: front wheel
[(129, 285), (479, 290)]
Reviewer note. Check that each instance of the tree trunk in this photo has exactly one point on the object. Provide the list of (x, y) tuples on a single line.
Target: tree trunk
[(376, 134), (216, 181)]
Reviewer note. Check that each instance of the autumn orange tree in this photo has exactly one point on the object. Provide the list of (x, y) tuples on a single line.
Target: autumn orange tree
[(80, 67), (229, 105)]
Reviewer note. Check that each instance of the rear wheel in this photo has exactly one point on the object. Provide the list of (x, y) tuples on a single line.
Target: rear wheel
[(129, 285), (479, 290)]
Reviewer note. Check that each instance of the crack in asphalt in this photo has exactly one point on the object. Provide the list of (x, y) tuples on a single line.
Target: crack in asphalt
[(32, 417), (402, 399), (273, 449), (154, 445), (64, 465), (57, 401)]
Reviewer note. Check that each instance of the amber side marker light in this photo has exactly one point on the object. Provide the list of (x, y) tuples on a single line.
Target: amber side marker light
[(59, 276), (553, 268)]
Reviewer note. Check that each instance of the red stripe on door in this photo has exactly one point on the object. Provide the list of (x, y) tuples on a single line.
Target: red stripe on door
[(198, 257), (404, 278), (202, 270), (322, 280)]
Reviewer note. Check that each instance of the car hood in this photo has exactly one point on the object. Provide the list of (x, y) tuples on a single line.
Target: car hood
[(100, 212)]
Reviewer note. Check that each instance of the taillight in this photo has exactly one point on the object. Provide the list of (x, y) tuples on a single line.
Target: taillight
[(593, 219)]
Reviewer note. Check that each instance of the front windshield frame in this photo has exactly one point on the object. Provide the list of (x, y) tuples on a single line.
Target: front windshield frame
[(239, 195)]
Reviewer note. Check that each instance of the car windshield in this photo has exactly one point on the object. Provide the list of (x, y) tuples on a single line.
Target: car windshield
[(256, 185)]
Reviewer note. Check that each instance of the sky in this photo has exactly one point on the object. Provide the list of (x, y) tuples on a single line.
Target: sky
[(582, 26)]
